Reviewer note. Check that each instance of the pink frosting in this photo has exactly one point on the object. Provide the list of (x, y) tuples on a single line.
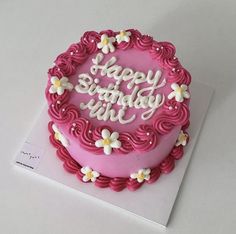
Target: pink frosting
[(90, 40), (117, 183), (155, 137)]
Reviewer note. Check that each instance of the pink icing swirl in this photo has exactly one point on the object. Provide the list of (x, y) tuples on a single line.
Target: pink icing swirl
[(108, 32), (177, 152), (102, 181), (65, 64), (55, 71), (154, 175), (144, 139), (174, 114), (90, 40), (116, 184), (162, 50), (180, 76), (171, 63), (144, 42), (77, 53), (55, 97), (63, 113), (167, 165)]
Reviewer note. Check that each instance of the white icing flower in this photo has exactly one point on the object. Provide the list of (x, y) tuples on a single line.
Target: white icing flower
[(89, 174), (179, 92), (109, 141), (59, 136), (123, 36), (59, 85), (182, 139), (141, 175), (106, 44)]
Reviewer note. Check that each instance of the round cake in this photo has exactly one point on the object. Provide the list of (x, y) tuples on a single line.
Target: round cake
[(119, 108)]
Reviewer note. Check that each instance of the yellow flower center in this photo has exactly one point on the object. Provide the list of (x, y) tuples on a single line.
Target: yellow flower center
[(182, 137), (105, 41), (56, 135), (141, 176), (106, 141), (89, 175), (122, 33), (57, 83), (179, 90)]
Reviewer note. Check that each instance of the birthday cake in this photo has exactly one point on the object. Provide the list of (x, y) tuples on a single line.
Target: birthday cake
[(119, 108)]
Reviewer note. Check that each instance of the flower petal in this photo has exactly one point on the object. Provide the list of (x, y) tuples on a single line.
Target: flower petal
[(179, 97), (64, 79), (60, 90), (85, 178), (140, 180), (99, 143), (85, 170), (112, 39), (99, 45), (140, 171), (55, 128), (105, 133), (174, 86), (126, 39), (63, 140), (111, 47), (118, 39), (147, 177), (95, 174), (105, 49), (93, 179), (133, 175), (68, 86), (54, 79), (177, 143), (114, 136), (186, 94), (52, 89), (107, 149), (104, 36), (147, 171), (115, 144)]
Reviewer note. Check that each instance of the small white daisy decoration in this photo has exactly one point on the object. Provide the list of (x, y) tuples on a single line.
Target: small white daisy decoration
[(89, 174), (106, 44), (123, 36), (141, 175), (182, 139), (108, 141), (59, 136), (179, 92), (60, 85)]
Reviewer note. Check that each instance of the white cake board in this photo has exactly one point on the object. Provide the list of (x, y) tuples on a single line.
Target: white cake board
[(152, 203)]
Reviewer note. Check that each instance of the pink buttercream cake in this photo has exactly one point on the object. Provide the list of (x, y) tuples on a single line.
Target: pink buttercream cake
[(119, 108)]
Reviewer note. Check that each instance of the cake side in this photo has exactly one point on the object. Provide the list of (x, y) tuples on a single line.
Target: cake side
[(118, 124)]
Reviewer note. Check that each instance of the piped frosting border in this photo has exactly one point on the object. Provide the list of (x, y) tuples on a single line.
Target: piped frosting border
[(136, 179), (144, 138)]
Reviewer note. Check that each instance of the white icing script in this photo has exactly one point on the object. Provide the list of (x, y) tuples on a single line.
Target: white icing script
[(138, 98)]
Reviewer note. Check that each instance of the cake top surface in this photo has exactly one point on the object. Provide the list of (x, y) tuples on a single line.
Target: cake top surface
[(122, 82)]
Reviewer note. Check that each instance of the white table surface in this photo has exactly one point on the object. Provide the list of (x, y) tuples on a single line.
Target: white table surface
[(32, 33)]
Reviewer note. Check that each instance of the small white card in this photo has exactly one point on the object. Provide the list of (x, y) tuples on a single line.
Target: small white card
[(152, 203), (29, 156)]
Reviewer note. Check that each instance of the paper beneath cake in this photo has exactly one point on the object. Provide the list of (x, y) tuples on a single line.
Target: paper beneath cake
[(153, 202)]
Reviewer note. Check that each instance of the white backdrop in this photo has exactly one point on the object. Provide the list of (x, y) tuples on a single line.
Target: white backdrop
[(32, 33)]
